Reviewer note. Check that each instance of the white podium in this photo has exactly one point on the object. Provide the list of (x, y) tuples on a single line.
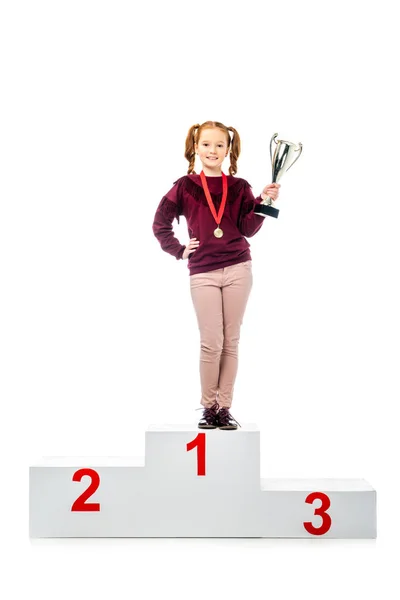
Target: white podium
[(192, 483)]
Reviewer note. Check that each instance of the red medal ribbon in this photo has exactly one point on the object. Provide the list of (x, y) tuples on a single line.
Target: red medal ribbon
[(209, 199)]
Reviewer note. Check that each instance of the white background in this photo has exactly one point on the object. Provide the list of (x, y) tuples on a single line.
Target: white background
[(98, 333)]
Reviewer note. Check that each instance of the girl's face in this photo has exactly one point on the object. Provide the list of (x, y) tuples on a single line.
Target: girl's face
[(212, 150)]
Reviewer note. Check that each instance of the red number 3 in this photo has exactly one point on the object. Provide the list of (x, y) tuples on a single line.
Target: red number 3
[(320, 511), (80, 503)]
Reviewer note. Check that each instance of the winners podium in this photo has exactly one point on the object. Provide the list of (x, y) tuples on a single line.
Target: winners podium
[(192, 483)]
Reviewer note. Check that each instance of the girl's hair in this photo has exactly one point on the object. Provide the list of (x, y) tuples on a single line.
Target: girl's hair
[(193, 138)]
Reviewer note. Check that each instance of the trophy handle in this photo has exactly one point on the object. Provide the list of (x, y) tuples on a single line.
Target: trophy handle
[(270, 145), (299, 150)]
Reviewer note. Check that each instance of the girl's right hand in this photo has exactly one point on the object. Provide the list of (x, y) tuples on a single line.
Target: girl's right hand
[(191, 247)]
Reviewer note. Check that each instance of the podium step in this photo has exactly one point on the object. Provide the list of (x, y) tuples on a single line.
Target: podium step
[(192, 483), (227, 458), (336, 508)]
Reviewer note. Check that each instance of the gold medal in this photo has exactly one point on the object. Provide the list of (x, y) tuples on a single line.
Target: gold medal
[(218, 232)]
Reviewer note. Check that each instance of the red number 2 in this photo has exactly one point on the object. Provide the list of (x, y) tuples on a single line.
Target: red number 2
[(200, 443), (79, 504), (321, 511)]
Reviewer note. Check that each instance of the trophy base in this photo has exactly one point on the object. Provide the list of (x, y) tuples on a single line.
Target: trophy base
[(266, 210)]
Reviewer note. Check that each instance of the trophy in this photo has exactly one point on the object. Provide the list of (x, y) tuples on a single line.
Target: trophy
[(285, 155)]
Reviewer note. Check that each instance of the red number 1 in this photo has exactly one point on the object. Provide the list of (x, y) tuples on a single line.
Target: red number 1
[(200, 443)]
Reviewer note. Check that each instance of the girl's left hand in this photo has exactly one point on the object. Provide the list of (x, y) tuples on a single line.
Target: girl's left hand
[(272, 190)]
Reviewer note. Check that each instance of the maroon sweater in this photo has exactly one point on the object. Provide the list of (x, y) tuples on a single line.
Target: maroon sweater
[(239, 221)]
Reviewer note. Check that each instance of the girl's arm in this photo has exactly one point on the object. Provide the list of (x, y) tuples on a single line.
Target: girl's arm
[(166, 212), (249, 221)]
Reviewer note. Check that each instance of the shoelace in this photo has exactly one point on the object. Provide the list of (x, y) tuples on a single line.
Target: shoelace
[(226, 416), (210, 410)]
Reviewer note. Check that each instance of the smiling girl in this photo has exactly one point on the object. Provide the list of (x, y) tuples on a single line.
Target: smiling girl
[(219, 210)]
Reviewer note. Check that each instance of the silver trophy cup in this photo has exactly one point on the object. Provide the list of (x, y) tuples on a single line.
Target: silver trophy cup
[(284, 156)]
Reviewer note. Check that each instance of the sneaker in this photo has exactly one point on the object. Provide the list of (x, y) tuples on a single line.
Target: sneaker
[(209, 420), (225, 419)]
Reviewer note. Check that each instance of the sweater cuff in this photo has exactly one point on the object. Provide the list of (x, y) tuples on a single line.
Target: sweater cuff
[(180, 253)]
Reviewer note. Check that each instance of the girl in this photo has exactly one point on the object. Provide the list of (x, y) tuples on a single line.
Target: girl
[(219, 210)]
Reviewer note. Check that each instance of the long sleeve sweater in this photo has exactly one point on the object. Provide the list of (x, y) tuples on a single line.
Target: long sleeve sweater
[(239, 221)]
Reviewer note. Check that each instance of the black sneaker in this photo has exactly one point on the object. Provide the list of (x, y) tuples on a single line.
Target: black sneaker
[(209, 418), (225, 419)]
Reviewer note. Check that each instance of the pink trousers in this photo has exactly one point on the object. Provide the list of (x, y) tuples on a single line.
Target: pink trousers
[(220, 299)]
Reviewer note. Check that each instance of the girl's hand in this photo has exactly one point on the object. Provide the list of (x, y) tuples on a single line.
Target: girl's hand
[(191, 247), (271, 190)]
